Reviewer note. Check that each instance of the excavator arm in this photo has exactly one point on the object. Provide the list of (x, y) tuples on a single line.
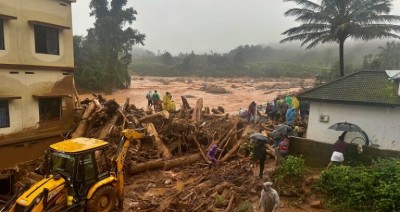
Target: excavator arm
[(119, 158)]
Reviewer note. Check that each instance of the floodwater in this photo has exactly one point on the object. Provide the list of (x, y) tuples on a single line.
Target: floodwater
[(242, 91)]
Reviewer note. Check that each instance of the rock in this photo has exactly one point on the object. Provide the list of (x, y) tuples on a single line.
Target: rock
[(311, 180), (317, 204)]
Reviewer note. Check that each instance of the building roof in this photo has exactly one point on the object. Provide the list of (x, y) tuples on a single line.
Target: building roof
[(364, 87), (76, 145)]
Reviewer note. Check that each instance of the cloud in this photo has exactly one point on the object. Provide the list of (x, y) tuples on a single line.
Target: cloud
[(202, 25)]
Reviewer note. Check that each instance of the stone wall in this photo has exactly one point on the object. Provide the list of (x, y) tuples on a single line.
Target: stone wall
[(318, 154)]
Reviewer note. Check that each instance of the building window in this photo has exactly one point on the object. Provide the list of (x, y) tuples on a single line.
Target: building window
[(46, 40), (1, 35), (50, 109), (4, 114)]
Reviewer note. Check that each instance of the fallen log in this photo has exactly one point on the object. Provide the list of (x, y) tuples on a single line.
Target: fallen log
[(159, 145), (231, 204), (216, 111), (238, 144), (169, 164), (98, 105), (108, 127), (146, 166), (163, 164), (150, 118), (83, 124), (225, 115)]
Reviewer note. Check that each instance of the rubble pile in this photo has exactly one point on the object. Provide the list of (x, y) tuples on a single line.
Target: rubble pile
[(176, 151)]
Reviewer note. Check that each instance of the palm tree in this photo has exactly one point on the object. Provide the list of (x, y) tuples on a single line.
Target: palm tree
[(336, 20)]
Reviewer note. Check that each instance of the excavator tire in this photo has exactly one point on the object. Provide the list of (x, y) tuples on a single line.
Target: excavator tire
[(103, 200)]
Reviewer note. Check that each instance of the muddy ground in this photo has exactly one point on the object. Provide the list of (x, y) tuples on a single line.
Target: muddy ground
[(240, 92)]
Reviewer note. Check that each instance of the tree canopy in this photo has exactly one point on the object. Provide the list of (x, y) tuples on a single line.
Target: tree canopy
[(327, 21), (103, 55)]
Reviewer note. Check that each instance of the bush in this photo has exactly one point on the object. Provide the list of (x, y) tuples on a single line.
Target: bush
[(292, 168), (372, 188)]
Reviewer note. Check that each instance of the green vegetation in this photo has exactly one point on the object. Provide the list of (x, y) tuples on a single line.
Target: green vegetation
[(372, 188), (333, 21), (102, 57), (291, 169), (387, 59), (244, 206), (248, 60)]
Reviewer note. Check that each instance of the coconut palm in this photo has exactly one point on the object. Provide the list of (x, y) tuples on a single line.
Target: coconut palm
[(325, 21)]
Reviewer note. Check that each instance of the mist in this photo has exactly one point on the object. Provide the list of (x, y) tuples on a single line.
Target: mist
[(203, 26)]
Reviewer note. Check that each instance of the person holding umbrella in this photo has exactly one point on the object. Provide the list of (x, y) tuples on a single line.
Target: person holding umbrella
[(259, 150), (339, 149)]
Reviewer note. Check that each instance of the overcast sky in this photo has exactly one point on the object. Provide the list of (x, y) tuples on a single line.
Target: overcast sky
[(203, 25)]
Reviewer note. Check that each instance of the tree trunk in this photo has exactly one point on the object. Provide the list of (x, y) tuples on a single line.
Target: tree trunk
[(196, 116), (150, 118), (108, 126), (185, 104), (163, 164), (82, 126), (142, 167), (238, 144), (341, 56), (159, 145)]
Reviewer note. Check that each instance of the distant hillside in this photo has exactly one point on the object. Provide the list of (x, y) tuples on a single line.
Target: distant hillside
[(252, 60)]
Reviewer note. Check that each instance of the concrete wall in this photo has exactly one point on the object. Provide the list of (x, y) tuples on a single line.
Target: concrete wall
[(318, 154), (380, 123), (19, 34), (24, 112)]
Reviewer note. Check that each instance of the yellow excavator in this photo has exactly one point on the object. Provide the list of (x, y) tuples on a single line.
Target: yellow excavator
[(79, 177)]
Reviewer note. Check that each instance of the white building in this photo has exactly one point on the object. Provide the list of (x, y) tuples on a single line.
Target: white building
[(369, 99)]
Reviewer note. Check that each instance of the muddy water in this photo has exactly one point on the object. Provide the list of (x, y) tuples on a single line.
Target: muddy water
[(242, 90)]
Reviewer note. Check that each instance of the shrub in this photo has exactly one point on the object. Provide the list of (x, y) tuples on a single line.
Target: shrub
[(292, 168), (372, 188)]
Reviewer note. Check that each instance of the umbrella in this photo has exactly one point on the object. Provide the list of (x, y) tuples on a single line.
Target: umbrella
[(259, 136), (347, 127)]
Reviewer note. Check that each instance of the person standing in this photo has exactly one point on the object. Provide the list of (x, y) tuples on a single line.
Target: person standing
[(283, 150), (156, 101), (167, 101), (304, 109), (259, 150), (290, 116), (149, 97), (252, 112), (339, 148), (269, 201), (284, 110)]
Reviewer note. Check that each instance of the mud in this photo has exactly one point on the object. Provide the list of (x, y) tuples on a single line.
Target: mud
[(246, 90)]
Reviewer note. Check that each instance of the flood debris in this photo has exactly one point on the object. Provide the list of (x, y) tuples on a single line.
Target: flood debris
[(170, 169)]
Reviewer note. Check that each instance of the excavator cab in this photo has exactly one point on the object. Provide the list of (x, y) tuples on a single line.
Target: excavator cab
[(78, 175)]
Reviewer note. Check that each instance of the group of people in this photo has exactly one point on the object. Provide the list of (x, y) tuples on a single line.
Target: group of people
[(282, 109), (287, 109), (154, 100)]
